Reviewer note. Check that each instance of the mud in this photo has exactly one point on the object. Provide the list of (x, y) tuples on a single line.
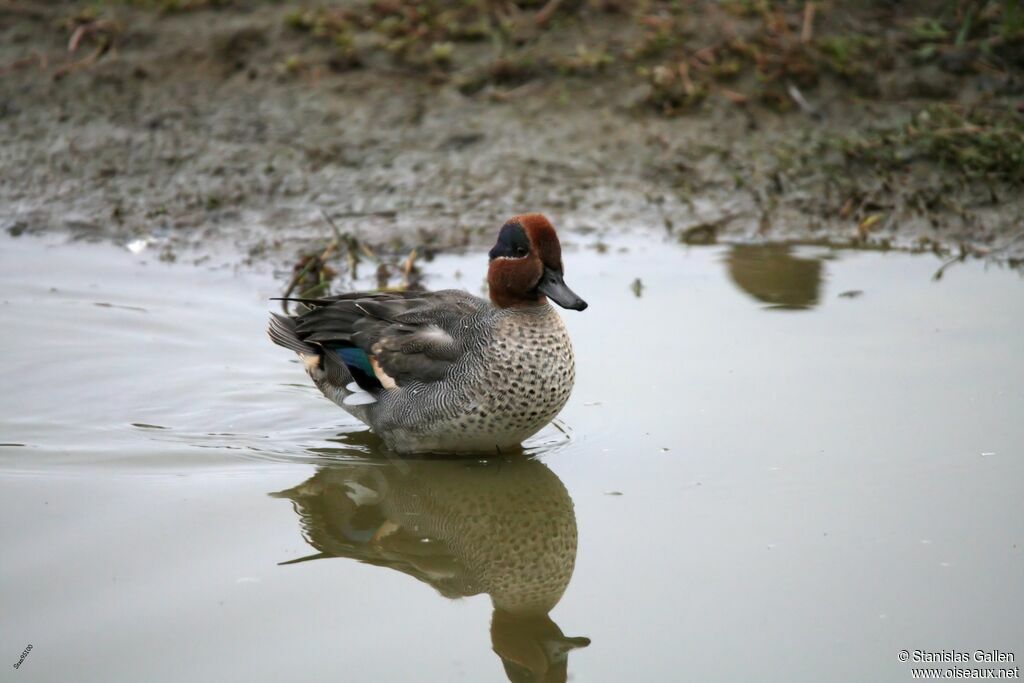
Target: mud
[(224, 130)]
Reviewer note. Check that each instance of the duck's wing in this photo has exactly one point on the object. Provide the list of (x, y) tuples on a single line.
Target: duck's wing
[(392, 339)]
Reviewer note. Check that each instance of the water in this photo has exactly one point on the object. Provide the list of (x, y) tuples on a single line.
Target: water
[(779, 463)]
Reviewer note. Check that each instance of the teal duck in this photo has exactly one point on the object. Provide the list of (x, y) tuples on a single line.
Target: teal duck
[(448, 371)]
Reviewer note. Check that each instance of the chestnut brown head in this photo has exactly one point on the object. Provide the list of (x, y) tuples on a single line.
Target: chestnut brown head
[(526, 265)]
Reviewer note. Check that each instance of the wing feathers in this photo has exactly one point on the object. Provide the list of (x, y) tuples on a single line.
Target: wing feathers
[(389, 339)]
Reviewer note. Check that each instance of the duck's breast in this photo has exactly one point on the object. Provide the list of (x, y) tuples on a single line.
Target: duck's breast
[(524, 375)]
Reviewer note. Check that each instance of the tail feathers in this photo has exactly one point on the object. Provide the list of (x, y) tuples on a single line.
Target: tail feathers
[(282, 332)]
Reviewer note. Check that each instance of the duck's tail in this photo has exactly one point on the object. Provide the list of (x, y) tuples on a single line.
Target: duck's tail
[(326, 368), (282, 332)]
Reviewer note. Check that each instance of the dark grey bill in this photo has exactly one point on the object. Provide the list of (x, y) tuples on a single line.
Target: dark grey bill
[(553, 286)]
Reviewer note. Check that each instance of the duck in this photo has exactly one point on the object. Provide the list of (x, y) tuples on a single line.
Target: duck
[(447, 371)]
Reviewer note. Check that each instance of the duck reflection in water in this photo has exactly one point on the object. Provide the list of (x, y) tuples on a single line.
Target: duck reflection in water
[(773, 274), (502, 527)]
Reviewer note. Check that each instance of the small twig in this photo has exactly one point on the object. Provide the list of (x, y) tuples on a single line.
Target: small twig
[(313, 264), (805, 106), (407, 268), (545, 13), (334, 226), (734, 97), (77, 36), (684, 76), (961, 257), (293, 283), (368, 252), (807, 32), (947, 264), (64, 70), (332, 247), (90, 28), (513, 93)]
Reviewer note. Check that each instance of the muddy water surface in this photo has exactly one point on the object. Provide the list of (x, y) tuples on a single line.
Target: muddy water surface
[(779, 463)]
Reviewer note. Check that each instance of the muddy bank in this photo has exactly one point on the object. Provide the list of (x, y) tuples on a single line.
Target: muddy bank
[(238, 125)]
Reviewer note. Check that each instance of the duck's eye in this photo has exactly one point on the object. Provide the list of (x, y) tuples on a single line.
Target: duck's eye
[(520, 251)]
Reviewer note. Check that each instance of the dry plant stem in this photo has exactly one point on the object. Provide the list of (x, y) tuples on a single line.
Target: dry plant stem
[(76, 37), (805, 106), (956, 259), (546, 12), (64, 70), (315, 263), (407, 268), (807, 32), (684, 76), (293, 283)]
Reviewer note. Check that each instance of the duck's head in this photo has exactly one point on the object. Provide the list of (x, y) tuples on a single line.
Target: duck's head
[(526, 265)]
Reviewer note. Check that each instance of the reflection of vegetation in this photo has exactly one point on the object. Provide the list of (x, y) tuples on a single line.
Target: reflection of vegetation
[(504, 528), (772, 274)]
